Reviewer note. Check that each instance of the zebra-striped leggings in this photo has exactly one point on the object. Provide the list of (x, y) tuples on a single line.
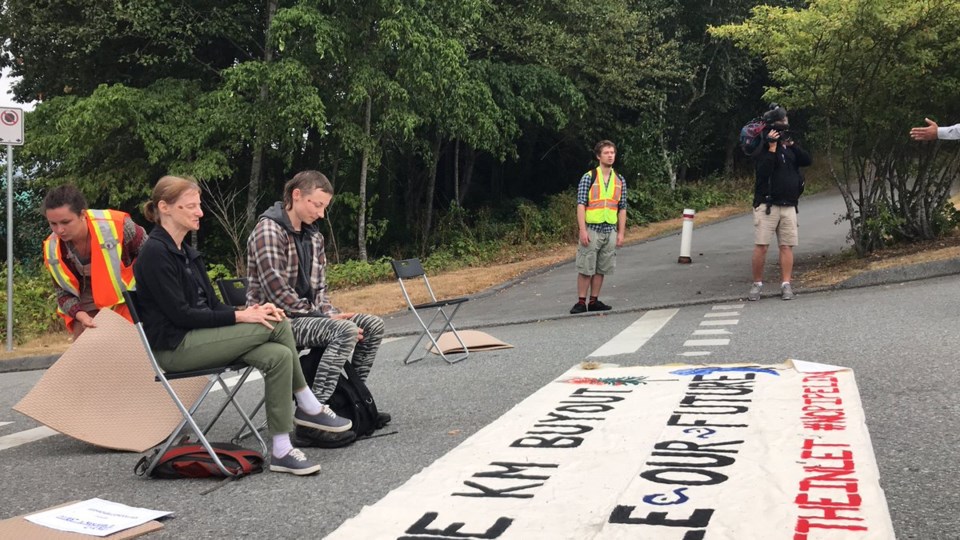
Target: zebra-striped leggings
[(338, 337)]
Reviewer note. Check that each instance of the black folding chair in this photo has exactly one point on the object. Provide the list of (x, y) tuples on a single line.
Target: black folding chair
[(411, 269), (233, 291), (217, 378)]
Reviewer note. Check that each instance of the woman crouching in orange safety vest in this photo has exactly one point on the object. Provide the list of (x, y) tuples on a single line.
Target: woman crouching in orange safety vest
[(90, 256)]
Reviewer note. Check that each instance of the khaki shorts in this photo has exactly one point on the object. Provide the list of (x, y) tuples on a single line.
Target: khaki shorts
[(782, 220), (600, 257)]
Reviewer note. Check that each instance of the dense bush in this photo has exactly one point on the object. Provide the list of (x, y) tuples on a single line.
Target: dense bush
[(34, 303)]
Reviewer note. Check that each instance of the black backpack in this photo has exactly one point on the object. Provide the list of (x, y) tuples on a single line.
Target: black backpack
[(353, 400), (193, 461)]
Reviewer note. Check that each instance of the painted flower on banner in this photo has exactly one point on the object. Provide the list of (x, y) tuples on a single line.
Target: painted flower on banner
[(608, 381)]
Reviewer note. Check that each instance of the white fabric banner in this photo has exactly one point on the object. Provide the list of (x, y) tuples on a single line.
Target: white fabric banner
[(666, 452)]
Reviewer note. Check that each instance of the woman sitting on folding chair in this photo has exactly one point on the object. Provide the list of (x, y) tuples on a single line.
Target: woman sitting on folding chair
[(189, 328)]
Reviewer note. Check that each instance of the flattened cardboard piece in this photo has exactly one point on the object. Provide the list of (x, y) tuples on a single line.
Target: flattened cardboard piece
[(19, 527), (475, 340), (102, 391)]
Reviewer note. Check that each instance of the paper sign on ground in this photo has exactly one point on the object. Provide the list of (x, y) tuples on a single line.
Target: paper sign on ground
[(658, 453), (95, 517)]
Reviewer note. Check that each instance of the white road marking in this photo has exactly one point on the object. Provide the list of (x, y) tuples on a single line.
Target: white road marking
[(695, 353), (24, 437), (232, 381), (728, 306), (705, 342), (389, 339), (635, 335), (5, 423), (720, 322), (712, 332), (723, 314)]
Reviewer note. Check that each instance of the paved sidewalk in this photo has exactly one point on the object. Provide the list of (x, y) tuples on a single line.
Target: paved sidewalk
[(649, 277)]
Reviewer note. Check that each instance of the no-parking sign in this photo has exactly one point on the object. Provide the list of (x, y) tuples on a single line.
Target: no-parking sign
[(11, 127)]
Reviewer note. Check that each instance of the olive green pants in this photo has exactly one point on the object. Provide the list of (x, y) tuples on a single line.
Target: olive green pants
[(274, 353)]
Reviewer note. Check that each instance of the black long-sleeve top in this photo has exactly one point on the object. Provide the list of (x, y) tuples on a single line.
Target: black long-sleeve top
[(778, 175), (175, 294)]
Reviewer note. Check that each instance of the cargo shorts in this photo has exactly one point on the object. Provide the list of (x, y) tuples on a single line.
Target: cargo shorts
[(600, 256), (781, 220)]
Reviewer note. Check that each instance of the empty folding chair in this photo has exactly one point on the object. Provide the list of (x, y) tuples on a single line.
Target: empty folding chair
[(233, 291), (216, 377), (411, 269)]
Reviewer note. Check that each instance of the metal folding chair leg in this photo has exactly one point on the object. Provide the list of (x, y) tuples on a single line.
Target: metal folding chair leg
[(245, 432), (428, 334)]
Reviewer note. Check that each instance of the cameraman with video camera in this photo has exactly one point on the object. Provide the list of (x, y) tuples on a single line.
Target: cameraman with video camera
[(776, 193)]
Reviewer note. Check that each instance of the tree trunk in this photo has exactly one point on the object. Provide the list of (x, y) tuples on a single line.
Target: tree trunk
[(256, 165), (456, 171), (431, 189), (362, 217), (468, 168), (330, 234)]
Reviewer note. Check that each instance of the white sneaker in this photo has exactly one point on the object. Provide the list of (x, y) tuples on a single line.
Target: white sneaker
[(754, 293)]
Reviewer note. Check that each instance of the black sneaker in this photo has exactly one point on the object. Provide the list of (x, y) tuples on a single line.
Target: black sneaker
[(306, 437), (578, 308), (383, 419), (598, 306)]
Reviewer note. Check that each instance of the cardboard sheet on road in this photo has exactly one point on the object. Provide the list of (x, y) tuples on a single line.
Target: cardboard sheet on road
[(664, 452), (475, 340), (102, 391)]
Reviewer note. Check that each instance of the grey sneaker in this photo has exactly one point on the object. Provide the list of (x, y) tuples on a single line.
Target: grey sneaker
[(325, 420), (295, 462), (754, 294), (786, 292)]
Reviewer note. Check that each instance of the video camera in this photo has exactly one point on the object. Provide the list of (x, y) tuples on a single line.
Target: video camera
[(776, 120)]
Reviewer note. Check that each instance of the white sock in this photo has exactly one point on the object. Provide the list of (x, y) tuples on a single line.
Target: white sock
[(785, 283), (758, 283), (281, 445), (307, 401)]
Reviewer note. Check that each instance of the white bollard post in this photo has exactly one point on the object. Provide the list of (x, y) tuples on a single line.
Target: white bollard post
[(686, 236)]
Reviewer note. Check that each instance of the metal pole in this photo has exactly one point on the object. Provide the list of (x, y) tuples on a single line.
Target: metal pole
[(9, 247)]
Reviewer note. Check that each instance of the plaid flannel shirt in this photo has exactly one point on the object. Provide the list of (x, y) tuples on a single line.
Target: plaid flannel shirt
[(272, 266)]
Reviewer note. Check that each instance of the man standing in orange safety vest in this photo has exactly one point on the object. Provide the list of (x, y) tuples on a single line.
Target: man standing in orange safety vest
[(90, 256), (602, 221)]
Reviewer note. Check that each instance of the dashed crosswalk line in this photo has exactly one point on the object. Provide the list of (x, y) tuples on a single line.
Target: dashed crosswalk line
[(705, 342), (720, 322), (712, 332), (722, 314), (635, 335), (695, 353), (5, 423), (727, 306)]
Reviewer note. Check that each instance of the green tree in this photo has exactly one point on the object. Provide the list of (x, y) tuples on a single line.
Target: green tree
[(869, 69)]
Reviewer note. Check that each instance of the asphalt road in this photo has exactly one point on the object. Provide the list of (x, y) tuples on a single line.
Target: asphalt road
[(900, 339)]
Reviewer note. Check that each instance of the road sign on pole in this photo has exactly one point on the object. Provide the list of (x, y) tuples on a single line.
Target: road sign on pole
[(11, 126), (11, 134)]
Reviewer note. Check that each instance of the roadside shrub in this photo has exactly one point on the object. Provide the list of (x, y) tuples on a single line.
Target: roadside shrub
[(354, 273), (34, 303)]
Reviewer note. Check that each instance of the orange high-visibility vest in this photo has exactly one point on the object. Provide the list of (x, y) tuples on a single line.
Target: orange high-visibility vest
[(108, 275), (604, 199)]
